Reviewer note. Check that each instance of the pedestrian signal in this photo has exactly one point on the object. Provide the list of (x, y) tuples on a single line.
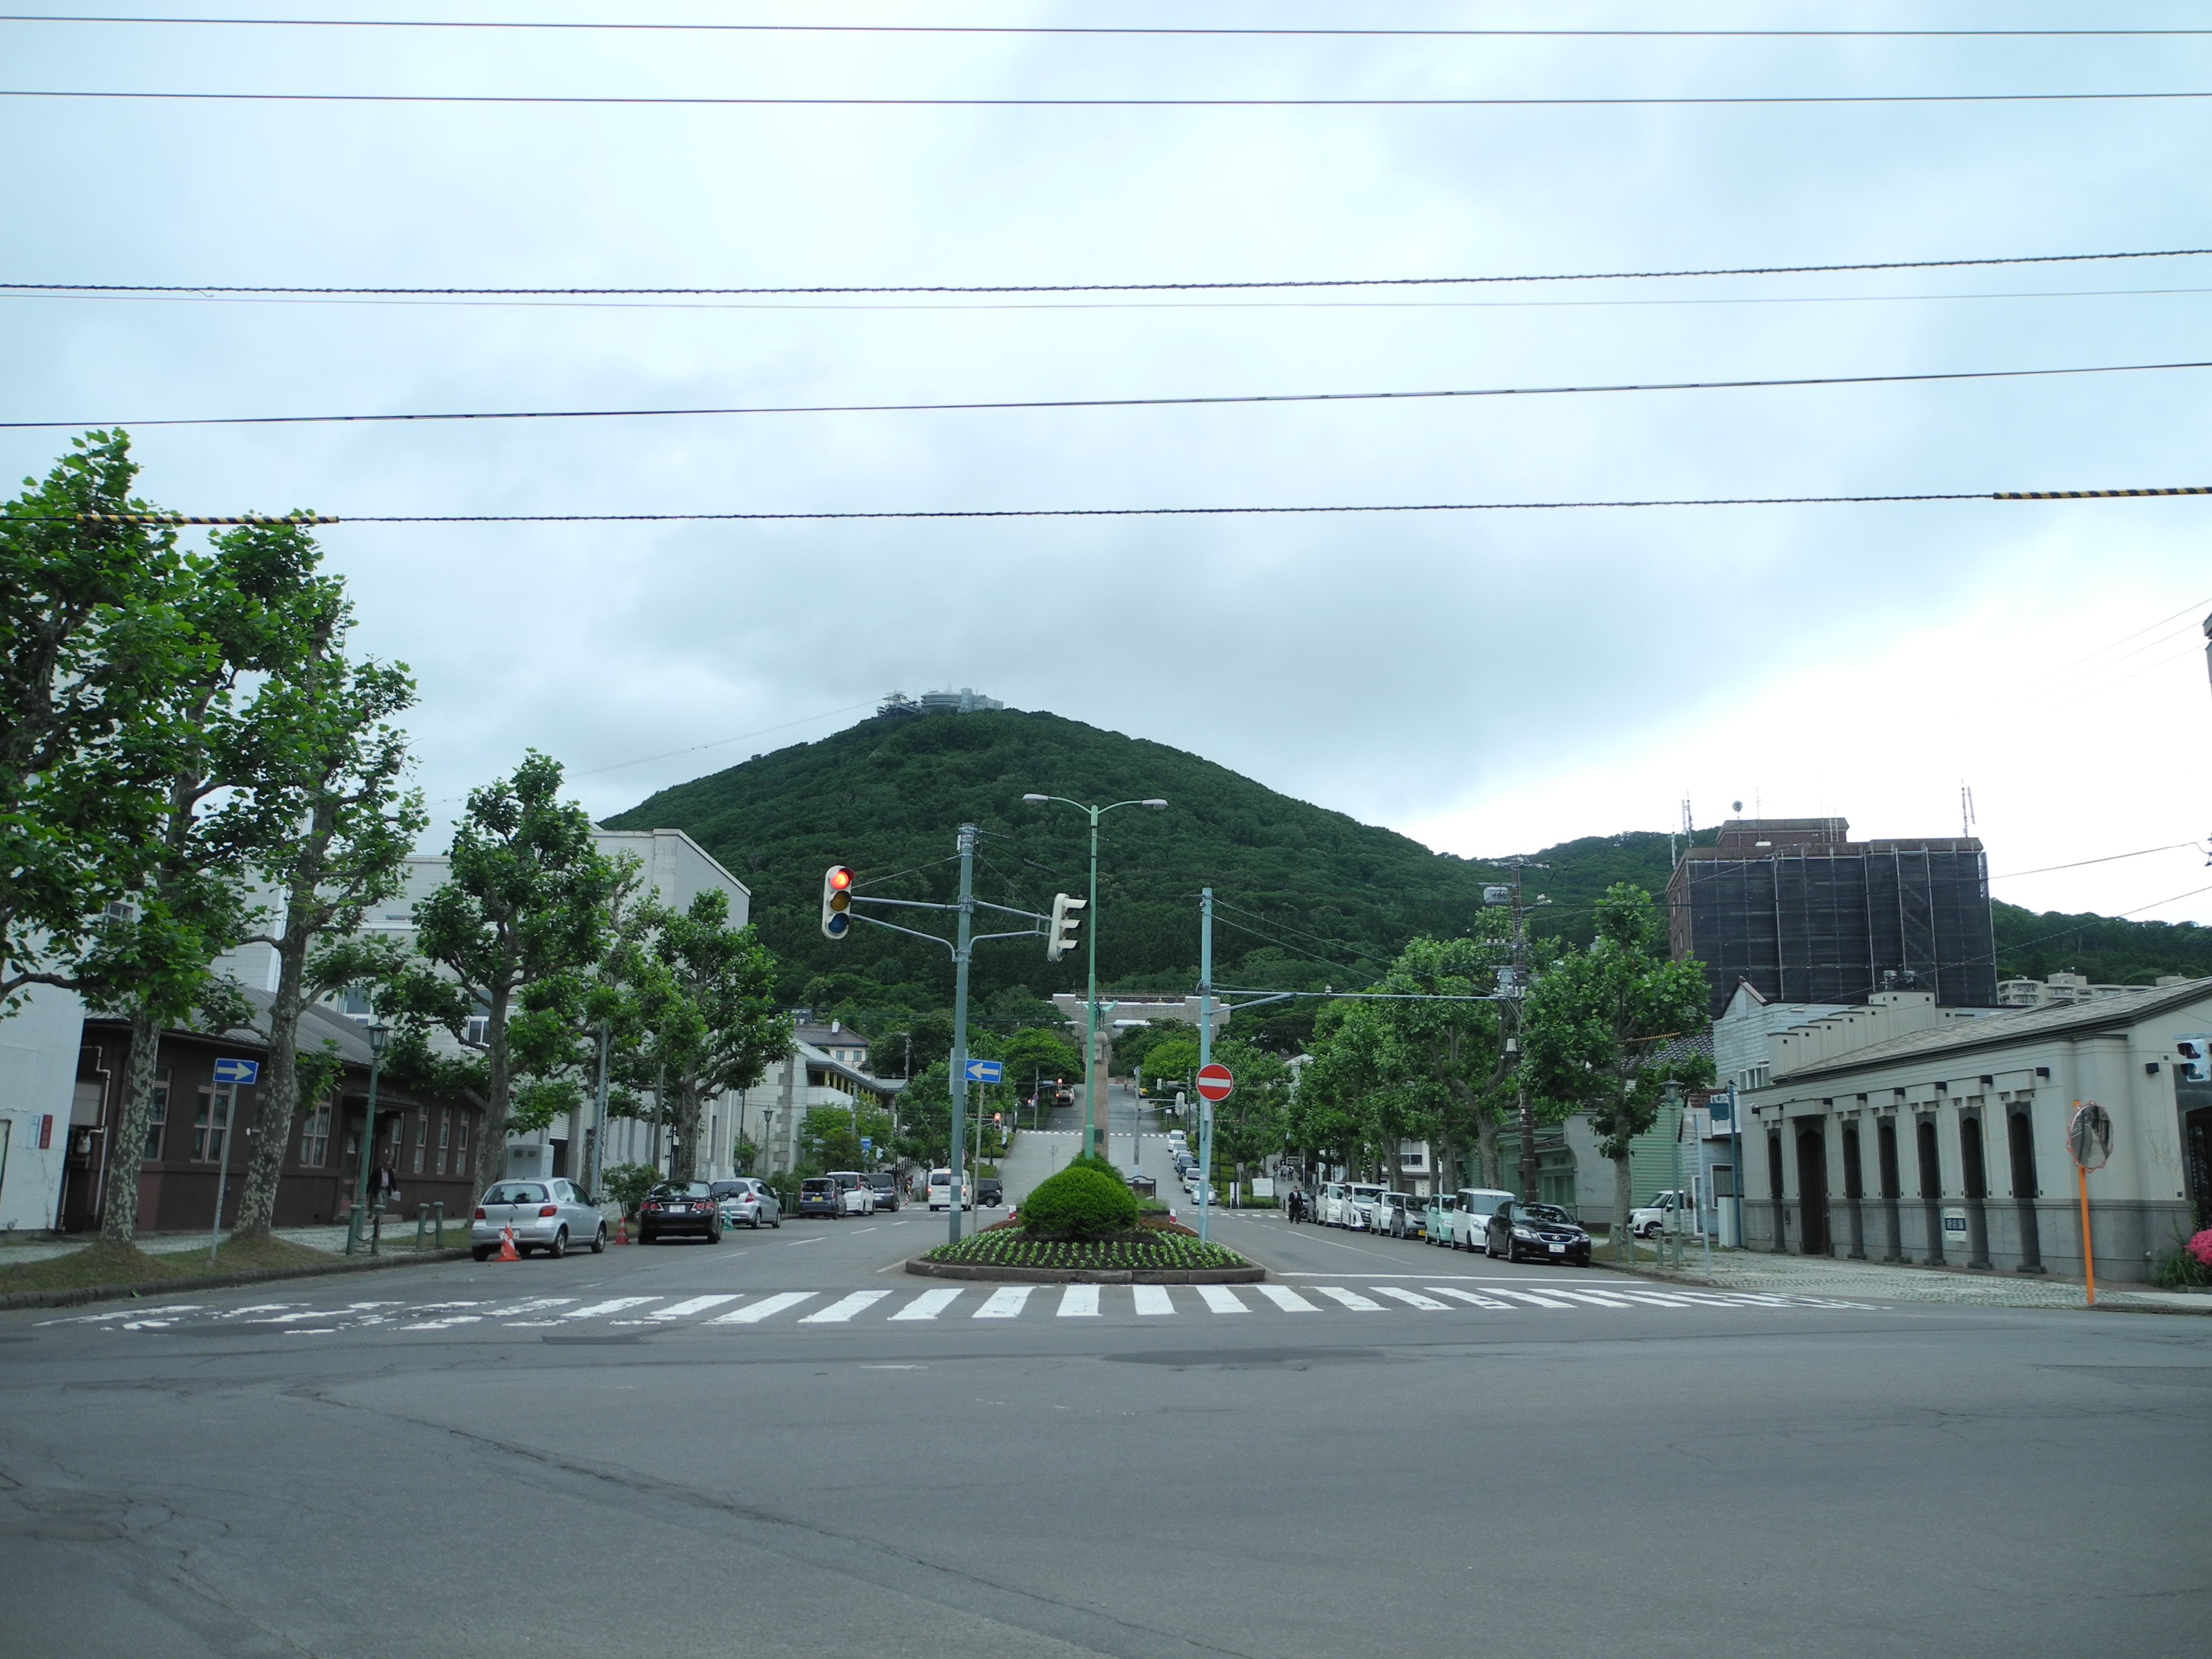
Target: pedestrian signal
[(836, 902), (1061, 939)]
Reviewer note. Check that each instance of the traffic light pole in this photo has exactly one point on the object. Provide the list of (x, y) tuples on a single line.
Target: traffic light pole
[(1205, 1057), (1091, 1067), (961, 954)]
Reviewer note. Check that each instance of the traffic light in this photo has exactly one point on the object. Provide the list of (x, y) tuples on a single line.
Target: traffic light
[(1061, 939), (836, 902)]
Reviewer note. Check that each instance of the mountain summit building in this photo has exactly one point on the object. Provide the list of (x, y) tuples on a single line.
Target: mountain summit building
[(1802, 914)]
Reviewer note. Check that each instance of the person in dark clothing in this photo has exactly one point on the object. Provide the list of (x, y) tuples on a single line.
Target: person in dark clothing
[(382, 1183)]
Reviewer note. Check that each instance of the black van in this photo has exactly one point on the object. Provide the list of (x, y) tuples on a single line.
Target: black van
[(821, 1195)]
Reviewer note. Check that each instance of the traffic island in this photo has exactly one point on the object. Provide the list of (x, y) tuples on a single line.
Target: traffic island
[(1084, 1226)]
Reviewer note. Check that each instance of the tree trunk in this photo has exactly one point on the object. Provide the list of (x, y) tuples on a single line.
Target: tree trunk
[(280, 1099), (1624, 1247), (119, 1215), (491, 1142), (1486, 1149), (689, 1109)]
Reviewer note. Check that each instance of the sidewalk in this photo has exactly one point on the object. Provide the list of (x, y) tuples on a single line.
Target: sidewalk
[(329, 1238), (1759, 1270)]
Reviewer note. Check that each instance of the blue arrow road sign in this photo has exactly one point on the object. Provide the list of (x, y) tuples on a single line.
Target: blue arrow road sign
[(985, 1071), (227, 1070), (868, 1143)]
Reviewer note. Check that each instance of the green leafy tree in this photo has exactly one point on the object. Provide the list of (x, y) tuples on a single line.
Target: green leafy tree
[(1597, 1027), (332, 826), (527, 908), (1031, 1053)]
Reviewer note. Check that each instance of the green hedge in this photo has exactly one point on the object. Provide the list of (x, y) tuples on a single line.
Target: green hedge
[(1079, 1203)]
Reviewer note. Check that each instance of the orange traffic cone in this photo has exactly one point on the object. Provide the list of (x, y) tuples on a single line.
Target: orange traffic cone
[(622, 1231), (506, 1250)]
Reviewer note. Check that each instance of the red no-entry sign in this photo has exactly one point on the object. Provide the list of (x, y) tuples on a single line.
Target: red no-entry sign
[(1214, 1082)]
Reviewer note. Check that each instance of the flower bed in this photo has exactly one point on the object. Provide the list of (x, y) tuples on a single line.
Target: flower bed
[(1145, 1250)]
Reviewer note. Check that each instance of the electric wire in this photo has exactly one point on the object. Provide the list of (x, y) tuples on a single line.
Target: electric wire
[(1975, 262), (2109, 858), (693, 749), (642, 101), (1191, 401)]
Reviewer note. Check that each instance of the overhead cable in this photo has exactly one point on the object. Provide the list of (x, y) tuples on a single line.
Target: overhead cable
[(270, 519), (1130, 288), (1195, 401)]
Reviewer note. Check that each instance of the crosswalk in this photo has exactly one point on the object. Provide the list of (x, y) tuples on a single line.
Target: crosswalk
[(731, 1311)]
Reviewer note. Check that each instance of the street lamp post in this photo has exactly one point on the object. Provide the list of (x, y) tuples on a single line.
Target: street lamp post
[(377, 1034), (1091, 997)]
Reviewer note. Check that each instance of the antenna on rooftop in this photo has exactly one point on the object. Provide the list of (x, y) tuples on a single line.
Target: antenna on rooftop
[(1965, 812)]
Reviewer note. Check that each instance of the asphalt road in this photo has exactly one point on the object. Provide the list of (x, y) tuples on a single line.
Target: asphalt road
[(1389, 1449)]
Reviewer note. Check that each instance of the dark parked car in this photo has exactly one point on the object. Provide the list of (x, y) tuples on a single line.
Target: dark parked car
[(821, 1195), (1542, 1230), (887, 1189), (990, 1192), (676, 1209)]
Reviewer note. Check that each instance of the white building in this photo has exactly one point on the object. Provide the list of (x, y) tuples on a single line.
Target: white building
[(39, 1048)]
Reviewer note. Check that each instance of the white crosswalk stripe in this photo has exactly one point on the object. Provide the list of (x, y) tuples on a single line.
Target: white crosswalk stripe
[(1002, 1302)]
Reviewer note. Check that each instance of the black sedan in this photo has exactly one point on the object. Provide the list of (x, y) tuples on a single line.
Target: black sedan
[(1542, 1232), (676, 1209)]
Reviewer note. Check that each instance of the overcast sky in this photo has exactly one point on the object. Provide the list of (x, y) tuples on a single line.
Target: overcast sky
[(1486, 681)]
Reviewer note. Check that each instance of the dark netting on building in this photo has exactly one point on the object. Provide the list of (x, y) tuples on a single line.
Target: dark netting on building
[(1804, 914)]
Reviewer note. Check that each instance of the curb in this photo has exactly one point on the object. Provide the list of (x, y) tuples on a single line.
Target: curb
[(1086, 1275), (1666, 1276), (77, 1295)]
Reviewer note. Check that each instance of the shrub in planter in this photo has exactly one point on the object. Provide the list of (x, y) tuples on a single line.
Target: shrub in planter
[(1078, 1204)]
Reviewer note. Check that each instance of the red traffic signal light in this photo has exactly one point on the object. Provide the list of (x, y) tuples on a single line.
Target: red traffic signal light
[(836, 902)]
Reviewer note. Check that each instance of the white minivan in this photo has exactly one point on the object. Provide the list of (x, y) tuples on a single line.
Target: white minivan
[(1466, 1224), (940, 1191)]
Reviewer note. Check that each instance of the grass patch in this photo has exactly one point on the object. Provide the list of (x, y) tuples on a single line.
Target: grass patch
[(96, 1264), (1144, 1249)]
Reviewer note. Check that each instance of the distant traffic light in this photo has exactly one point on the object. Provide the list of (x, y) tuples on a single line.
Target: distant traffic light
[(836, 902), (1061, 939)]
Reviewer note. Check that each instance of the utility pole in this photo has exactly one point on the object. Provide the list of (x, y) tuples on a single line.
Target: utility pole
[(961, 954), (1513, 989), (599, 1128), (1205, 1056)]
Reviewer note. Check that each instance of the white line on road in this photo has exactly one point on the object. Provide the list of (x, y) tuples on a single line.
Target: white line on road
[(1004, 1303), (1529, 1295), (1219, 1298), (1470, 1298), (697, 1305), (928, 1304), (1079, 1302), (1286, 1298), (597, 1308), (1153, 1299), (844, 1308), (1352, 1299), (1410, 1298), (534, 1304), (1602, 1298), (762, 1310)]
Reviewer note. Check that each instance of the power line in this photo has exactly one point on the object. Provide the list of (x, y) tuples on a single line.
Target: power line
[(1133, 287), (662, 101), (692, 749), (2110, 858), (1117, 30), (309, 519), (2186, 610), (1201, 401)]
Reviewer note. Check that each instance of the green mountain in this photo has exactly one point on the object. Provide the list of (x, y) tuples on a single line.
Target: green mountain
[(1305, 898)]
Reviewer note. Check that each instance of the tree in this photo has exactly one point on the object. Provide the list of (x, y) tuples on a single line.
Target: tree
[(703, 995), (1446, 1057), (1030, 1055), (527, 903), (334, 829), (1596, 1029)]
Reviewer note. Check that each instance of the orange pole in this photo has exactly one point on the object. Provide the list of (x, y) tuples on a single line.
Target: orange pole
[(2088, 1255)]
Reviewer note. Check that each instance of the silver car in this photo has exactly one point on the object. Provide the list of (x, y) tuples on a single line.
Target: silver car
[(545, 1215), (747, 1202)]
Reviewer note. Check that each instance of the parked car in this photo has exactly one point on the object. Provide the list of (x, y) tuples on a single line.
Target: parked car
[(680, 1208), (1649, 1220), (546, 1215), (887, 1189), (1398, 1214), (1437, 1217), (1358, 1204), (820, 1195), (747, 1202), (1543, 1231), (854, 1195), (1468, 1223), (990, 1192), (940, 1191)]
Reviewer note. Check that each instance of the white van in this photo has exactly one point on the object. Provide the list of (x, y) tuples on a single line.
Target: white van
[(1468, 1223), (940, 1191)]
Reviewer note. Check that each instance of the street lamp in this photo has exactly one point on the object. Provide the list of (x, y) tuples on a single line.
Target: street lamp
[(1091, 918), (377, 1035)]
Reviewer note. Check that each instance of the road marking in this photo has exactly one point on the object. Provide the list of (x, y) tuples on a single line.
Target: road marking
[(1655, 1299), (844, 1308), (117, 1313), (597, 1309), (1219, 1298), (1079, 1302), (764, 1309), (697, 1305), (1004, 1303), (1603, 1298), (447, 1323), (1352, 1299), (1410, 1298), (1153, 1299), (1470, 1298), (794, 1243), (1286, 1298), (535, 1304), (859, 1231), (1529, 1295), (928, 1304)]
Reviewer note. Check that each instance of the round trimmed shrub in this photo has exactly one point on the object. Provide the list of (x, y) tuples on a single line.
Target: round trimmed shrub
[(1078, 1204)]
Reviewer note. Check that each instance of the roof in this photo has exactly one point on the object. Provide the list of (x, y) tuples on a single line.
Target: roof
[(1698, 1042), (318, 1026), (1995, 1030)]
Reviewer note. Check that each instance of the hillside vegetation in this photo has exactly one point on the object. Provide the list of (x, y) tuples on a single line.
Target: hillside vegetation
[(1306, 896)]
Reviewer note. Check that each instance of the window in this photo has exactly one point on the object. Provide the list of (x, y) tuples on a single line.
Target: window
[(444, 1142), (460, 1140), (421, 1138), (160, 1118), (475, 1030), (353, 1002), (315, 1137), (211, 1123)]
